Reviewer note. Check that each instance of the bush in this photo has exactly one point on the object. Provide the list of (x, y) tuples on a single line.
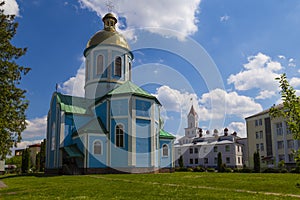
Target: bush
[(246, 170), (237, 170), (284, 170), (295, 170), (222, 168), (189, 169), (210, 169), (228, 169), (181, 169), (199, 169), (271, 170)]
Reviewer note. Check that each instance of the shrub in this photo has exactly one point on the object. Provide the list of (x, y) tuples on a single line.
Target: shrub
[(271, 170), (189, 169), (181, 169), (210, 169), (284, 170), (199, 169), (246, 170), (295, 170), (228, 169)]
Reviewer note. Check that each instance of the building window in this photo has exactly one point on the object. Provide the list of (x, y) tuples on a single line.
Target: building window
[(196, 150), (257, 147), (118, 66), (256, 135), (262, 147), (215, 160), (279, 130), (291, 158), (280, 157), (119, 135), (191, 150), (238, 148), (260, 122), (215, 149), (205, 160), (191, 161), (179, 151), (227, 160), (100, 65), (239, 160), (196, 161), (227, 148), (165, 150), (280, 145), (256, 122), (53, 138), (97, 147), (87, 71), (288, 131), (290, 144), (260, 134), (129, 65)]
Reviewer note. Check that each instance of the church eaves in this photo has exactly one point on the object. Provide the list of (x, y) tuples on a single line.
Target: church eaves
[(71, 104)]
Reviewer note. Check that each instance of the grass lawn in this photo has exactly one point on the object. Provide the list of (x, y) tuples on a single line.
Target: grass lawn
[(179, 185)]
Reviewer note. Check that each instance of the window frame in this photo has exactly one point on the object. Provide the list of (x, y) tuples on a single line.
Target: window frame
[(100, 69), (118, 66), (165, 147), (100, 143), (119, 136)]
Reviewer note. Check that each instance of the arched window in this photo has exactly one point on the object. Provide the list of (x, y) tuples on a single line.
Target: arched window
[(97, 147), (119, 135), (118, 66), (87, 70), (165, 150), (100, 64), (129, 70)]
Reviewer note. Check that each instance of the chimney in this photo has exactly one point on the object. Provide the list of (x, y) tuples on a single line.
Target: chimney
[(225, 131)]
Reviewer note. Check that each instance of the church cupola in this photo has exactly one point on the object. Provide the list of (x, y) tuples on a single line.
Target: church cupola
[(192, 118), (108, 60)]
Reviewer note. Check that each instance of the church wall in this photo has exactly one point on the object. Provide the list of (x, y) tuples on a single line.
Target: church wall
[(119, 155), (101, 111), (143, 143), (166, 161), (80, 142), (97, 160)]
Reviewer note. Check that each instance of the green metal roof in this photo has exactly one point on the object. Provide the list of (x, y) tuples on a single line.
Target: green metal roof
[(164, 134), (71, 104), (73, 151), (93, 126), (130, 88)]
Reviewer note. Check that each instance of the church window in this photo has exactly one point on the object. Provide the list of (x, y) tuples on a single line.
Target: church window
[(53, 138), (97, 147), (129, 70), (100, 65), (118, 66), (165, 150), (119, 135), (87, 70)]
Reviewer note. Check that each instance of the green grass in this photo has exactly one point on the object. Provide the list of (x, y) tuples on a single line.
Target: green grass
[(180, 185)]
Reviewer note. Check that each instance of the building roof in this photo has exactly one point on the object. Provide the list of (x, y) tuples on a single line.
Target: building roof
[(71, 104), (73, 151), (108, 35), (165, 135), (265, 111), (130, 88), (192, 111), (93, 126)]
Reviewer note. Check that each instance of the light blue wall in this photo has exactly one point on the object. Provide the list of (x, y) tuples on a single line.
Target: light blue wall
[(165, 161), (101, 111), (80, 142), (119, 156), (119, 107), (143, 143), (143, 108), (97, 161)]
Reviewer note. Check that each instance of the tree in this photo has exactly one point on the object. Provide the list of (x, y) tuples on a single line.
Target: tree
[(26, 160), (256, 160), (220, 163), (12, 99), (290, 110), (180, 162)]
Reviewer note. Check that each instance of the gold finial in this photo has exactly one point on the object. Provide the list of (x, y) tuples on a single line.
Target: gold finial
[(109, 5)]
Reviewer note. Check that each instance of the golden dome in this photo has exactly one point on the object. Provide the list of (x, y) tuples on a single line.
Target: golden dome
[(108, 35)]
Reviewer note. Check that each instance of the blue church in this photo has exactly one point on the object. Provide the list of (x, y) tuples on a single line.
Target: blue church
[(116, 127)]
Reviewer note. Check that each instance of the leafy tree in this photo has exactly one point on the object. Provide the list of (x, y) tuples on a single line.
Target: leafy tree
[(290, 110), (220, 162), (42, 155), (256, 159), (15, 160), (12, 99), (26, 160), (180, 162)]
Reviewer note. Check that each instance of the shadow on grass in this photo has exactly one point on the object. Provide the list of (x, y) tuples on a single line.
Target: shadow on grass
[(40, 175)]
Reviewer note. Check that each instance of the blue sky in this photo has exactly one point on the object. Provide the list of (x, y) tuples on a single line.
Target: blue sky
[(224, 55)]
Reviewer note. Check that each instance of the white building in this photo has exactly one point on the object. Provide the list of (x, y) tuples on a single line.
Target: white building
[(197, 149)]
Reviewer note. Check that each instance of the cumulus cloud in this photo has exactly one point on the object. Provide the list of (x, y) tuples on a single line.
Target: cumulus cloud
[(211, 106), (295, 82), (25, 144), (292, 62), (11, 7), (239, 127), (260, 72), (36, 129), (281, 57), (265, 94), (161, 15), (74, 85)]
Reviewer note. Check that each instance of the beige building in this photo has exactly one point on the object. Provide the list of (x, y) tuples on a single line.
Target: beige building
[(271, 138)]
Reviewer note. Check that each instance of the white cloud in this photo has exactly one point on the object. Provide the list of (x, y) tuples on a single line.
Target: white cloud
[(281, 57), (224, 18), (260, 72), (11, 7), (211, 106), (292, 62), (161, 15), (36, 129), (75, 85), (25, 144), (238, 127), (295, 82), (265, 94)]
